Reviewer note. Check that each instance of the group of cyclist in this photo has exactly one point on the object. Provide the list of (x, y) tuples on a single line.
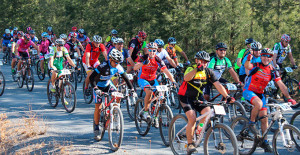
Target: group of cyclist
[(254, 68)]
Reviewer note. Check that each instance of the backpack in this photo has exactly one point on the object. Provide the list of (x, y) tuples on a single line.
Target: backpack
[(214, 56), (257, 68)]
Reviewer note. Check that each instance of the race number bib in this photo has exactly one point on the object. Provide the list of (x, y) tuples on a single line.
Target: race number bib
[(65, 72), (219, 110), (162, 88), (130, 77), (117, 94)]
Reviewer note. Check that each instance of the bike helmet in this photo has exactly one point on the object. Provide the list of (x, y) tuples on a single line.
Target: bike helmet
[(159, 42), (10, 28), (20, 33), (221, 45), (249, 41), (81, 31), (7, 31), (74, 28), (49, 28), (73, 34), (172, 40), (63, 36), (97, 39), (142, 34), (15, 29), (119, 40), (152, 45), (113, 31), (27, 37), (28, 29), (44, 34), (32, 32), (202, 55), (267, 51), (116, 55), (286, 38), (256, 46), (59, 41)]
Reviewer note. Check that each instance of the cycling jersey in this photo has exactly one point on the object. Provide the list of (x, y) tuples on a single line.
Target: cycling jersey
[(136, 45), (73, 46), (254, 60), (58, 57), (44, 45), (24, 47), (51, 36), (241, 55), (83, 40), (108, 39), (281, 52), (260, 78), (148, 72), (177, 48), (6, 39), (94, 53), (219, 65)]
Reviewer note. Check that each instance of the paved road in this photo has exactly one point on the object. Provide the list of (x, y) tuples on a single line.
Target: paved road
[(76, 127)]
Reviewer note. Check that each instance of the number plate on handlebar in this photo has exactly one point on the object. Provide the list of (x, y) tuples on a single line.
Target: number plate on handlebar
[(65, 72), (285, 106), (231, 86), (117, 94), (288, 69), (130, 77), (162, 88), (219, 110)]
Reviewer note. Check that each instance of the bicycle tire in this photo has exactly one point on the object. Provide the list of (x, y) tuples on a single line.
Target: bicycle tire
[(276, 133), (2, 85), (39, 73), (101, 125), (50, 95), (138, 121), (87, 98), (172, 140), (79, 72), (13, 75), (130, 104), (164, 125), (116, 145), (174, 100), (293, 88), (228, 130), (20, 80), (68, 87), (292, 122), (31, 80)]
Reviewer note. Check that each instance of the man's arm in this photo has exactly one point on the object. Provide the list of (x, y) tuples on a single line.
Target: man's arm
[(105, 55), (292, 58), (239, 62), (78, 51), (184, 55), (248, 64), (129, 58), (137, 66), (220, 88), (234, 75), (283, 89), (171, 61), (170, 76)]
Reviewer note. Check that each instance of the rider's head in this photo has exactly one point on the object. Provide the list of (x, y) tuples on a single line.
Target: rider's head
[(221, 50), (115, 57), (142, 36), (113, 40), (202, 58), (44, 36), (81, 32), (249, 41), (119, 44), (15, 29), (160, 44), (285, 39), (74, 28), (97, 40), (27, 38), (7, 31), (32, 33), (59, 43), (266, 56), (49, 29), (114, 32), (152, 48), (73, 36), (20, 34), (255, 47), (63, 36), (172, 41)]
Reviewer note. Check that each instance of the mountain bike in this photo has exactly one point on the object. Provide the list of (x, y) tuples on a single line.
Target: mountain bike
[(295, 120), (292, 84), (87, 93), (158, 108), (249, 140), (73, 75), (111, 119), (215, 141), (64, 90), (26, 75), (7, 55), (41, 75), (2, 81)]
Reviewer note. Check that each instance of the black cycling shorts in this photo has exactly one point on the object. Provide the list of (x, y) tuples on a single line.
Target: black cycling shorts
[(187, 103)]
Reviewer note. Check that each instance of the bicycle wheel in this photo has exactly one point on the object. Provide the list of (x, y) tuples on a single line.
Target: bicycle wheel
[(68, 97), (236, 109), (2, 83), (87, 94), (79, 72), (216, 142), (177, 138), (13, 75), (295, 121), (245, 137), (292, 143), (53, 98), (293, 88), (29, 78), (142, 125), (165, 118), (174, 100), (116, 129), (73, 79), (20, 80), (39, 72), (130, 103)]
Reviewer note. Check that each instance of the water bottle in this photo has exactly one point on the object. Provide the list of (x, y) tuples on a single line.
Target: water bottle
[(199, 128)]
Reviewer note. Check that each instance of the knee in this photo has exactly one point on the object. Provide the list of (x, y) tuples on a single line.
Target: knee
[(257, 103), (206, 97)]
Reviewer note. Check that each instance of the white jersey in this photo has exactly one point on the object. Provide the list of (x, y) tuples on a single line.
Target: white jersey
[(281, 52)]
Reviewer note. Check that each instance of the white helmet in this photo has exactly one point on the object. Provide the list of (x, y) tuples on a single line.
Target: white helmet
[(59, 41), (97, 39), (63, 36), (116, 55), (7, 31)]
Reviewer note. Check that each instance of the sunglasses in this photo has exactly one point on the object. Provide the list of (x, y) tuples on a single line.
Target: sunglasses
[(267, 55), (60, 45), (172, 44), (151, 50), (222, 49)]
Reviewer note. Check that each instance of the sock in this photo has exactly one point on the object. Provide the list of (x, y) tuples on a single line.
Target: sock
[(250, 122), (266, 141)]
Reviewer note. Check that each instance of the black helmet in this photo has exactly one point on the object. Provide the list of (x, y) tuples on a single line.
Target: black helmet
[(202, 55), (249, 41), (221, 45)]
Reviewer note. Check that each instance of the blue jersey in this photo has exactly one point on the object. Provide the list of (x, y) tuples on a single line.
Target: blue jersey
[(254, 60), (106, 72)]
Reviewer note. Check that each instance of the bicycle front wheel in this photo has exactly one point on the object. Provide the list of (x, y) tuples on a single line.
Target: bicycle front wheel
[(293, 88), (165, 118), (20, 80), (68, 97), (177, 134), (130, 102), (2, 83), (53, 97), (292, 138), (39, 72), (116, 129), (141, 124), (87, 93), (216, 142), (29, 78)]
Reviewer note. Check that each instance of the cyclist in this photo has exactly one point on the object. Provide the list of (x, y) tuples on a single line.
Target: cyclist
[(135, 45), (14, 42), (21, 49), (74, 29), (6, 39), (149, 63), (281, 50), (195, 79), (33, 37), (84, 40), (108, 41), (260, 75), (100, 81), (44, 45), (65, 37), (51, 35), (242, 54), (255, 50), (90, 59), (28, 29), (171, 48), (14, 33), (111, 45), (74, 46), (163, 54), (218, 64), (57, 55)]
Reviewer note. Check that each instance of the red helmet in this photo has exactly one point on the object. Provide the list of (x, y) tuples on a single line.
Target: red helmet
[(286, 38), (74, 28), (73, 34), (27, 37), (142, 34)]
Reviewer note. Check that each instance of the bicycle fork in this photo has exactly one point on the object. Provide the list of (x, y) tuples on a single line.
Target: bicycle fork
[(283, 135)]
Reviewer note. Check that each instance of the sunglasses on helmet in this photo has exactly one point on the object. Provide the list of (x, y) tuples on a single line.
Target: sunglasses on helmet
[(267, 55)]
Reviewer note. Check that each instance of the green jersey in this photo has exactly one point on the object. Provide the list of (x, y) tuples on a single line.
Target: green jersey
[(219, 65), (58, 57)]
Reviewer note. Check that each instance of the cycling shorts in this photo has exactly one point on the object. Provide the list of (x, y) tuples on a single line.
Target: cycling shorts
[(110, 88), (188, 104), (5, 42), (250, 96), (96, 64), (24, 55), (135, 61), (143, 83)]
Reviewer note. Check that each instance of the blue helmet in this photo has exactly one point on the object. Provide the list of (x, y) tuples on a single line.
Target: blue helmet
[(113, 31), (159, 42), (44, 34), (172, 40)]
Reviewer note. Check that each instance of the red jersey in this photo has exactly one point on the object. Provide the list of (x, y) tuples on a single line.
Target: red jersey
[(94, 55), (148, 72)]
